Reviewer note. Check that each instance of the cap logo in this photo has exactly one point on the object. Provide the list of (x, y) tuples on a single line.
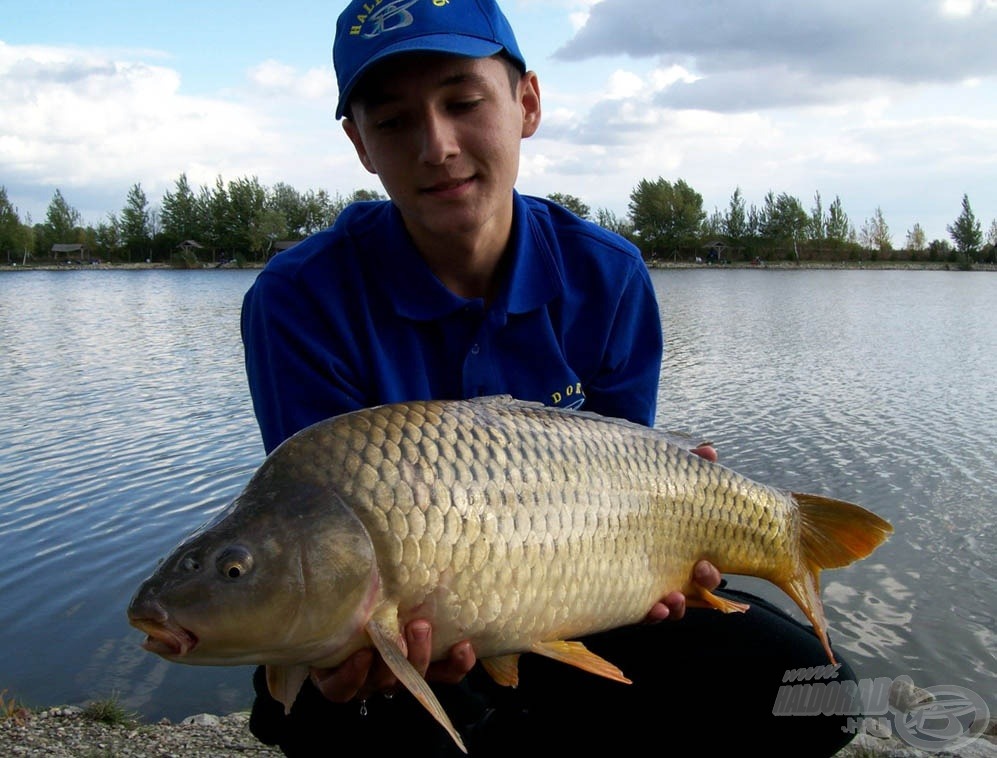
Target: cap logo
[(392, 15)]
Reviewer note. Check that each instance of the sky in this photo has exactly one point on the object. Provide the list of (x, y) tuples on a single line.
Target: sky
[(881, 104)]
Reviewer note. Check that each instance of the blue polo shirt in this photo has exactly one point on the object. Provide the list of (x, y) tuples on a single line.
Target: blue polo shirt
[(353, 317)]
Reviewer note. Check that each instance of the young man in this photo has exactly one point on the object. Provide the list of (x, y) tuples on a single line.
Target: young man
[(458, 287)]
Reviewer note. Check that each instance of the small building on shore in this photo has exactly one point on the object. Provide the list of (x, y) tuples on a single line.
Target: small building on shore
[(70, 252)]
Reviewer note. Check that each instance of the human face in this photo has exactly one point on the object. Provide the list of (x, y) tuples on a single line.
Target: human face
[(443, 135)]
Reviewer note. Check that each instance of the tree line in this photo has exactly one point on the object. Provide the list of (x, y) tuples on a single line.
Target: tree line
[(244, 220)]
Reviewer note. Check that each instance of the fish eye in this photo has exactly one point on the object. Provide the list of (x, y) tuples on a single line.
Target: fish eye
[(235, 562)]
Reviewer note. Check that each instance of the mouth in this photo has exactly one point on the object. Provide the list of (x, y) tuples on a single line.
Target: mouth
[(167, 640), (448, 187)]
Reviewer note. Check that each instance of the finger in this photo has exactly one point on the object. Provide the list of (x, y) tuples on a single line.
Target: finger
[(676, 604), (455, 666), (658, 612), (707, 451), (342, 683), (419, 636), (706, 575)]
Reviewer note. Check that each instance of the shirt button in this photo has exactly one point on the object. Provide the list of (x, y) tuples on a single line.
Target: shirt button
[(475, 349)]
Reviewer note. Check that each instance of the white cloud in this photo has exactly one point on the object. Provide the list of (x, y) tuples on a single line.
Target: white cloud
[(91, 119), (275, 79)]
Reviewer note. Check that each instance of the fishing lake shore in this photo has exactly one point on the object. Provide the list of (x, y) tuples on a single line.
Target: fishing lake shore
[(69, 732)]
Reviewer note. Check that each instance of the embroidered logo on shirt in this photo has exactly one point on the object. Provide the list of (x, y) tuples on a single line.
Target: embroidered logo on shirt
[(571, 397)]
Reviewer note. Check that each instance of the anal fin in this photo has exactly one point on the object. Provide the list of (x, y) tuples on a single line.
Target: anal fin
[(715, 601), (576, 654), (504, 669)]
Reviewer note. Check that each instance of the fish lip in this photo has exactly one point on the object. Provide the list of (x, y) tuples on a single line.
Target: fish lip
[(168, 640)]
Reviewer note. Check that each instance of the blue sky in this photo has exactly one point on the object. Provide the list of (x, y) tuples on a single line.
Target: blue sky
[(888, 104)]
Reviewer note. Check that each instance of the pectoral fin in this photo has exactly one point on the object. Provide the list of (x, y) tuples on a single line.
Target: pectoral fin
[(284, 683), (576, 654), (504, 669), (388, 641)]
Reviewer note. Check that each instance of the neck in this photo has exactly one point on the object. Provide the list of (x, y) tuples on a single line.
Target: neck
[(470, 262), (465, 269)]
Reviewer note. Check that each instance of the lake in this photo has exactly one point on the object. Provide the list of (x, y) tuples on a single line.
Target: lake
[(127, 422)]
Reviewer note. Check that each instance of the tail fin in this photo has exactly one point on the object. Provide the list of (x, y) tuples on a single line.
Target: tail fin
[(833, 534)]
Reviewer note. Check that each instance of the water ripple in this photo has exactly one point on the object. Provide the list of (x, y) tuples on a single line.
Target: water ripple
[(127, 424)]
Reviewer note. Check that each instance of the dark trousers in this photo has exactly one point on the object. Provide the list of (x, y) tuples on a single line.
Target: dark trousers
[(709, 680)]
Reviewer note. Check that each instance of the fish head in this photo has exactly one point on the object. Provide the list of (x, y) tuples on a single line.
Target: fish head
[(285, 575)]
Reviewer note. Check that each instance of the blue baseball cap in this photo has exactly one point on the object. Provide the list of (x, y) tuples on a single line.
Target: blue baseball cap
[(370, 30)]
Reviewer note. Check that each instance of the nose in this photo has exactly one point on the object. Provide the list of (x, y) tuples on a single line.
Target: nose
[(439, 139)]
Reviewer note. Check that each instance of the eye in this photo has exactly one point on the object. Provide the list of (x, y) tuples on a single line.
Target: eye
[(387, 124), (235, 562), (464, 106)]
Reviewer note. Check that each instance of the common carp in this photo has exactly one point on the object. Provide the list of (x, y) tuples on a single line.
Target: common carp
[(514, 525)]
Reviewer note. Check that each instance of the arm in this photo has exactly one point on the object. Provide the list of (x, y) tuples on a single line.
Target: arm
[(297, 373)]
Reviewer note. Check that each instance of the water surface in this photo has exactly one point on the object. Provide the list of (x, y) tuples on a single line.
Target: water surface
[(127, 422)]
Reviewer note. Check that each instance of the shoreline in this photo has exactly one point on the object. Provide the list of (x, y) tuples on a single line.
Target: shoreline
[(653, 264), (66, 732)]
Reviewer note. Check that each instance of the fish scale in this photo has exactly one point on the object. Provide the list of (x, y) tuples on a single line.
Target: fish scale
[(594, 577), (516, 526)]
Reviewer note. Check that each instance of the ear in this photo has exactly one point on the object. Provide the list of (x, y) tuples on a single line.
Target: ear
[(529, 100), (350, 127)]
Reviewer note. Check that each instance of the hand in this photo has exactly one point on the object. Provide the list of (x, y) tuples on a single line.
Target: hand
[(704, 573), (673, 605), (364, 673), (707, 451)]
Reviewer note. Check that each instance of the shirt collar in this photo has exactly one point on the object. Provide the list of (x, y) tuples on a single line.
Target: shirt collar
[(534, 278)]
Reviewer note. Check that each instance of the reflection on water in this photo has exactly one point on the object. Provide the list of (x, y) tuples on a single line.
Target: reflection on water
[(875, 387), (127, 423)]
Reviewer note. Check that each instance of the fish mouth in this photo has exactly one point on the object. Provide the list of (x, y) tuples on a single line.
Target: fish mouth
[(167, 640)]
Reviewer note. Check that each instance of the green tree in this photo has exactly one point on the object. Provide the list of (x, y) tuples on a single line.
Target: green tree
[(735, 225), (181, 217), (247, 203), (572, 203), (713, 226), (875, 234), (609, 220), (989, 251), (62, 224), (818, 223), (916, 239), (215, 216), (784, 221), (134, 229), (320, 211), (838, 228), (108, 238), (966, 232), (290, 204), (363, 195), (665, 216), (11, 236)]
